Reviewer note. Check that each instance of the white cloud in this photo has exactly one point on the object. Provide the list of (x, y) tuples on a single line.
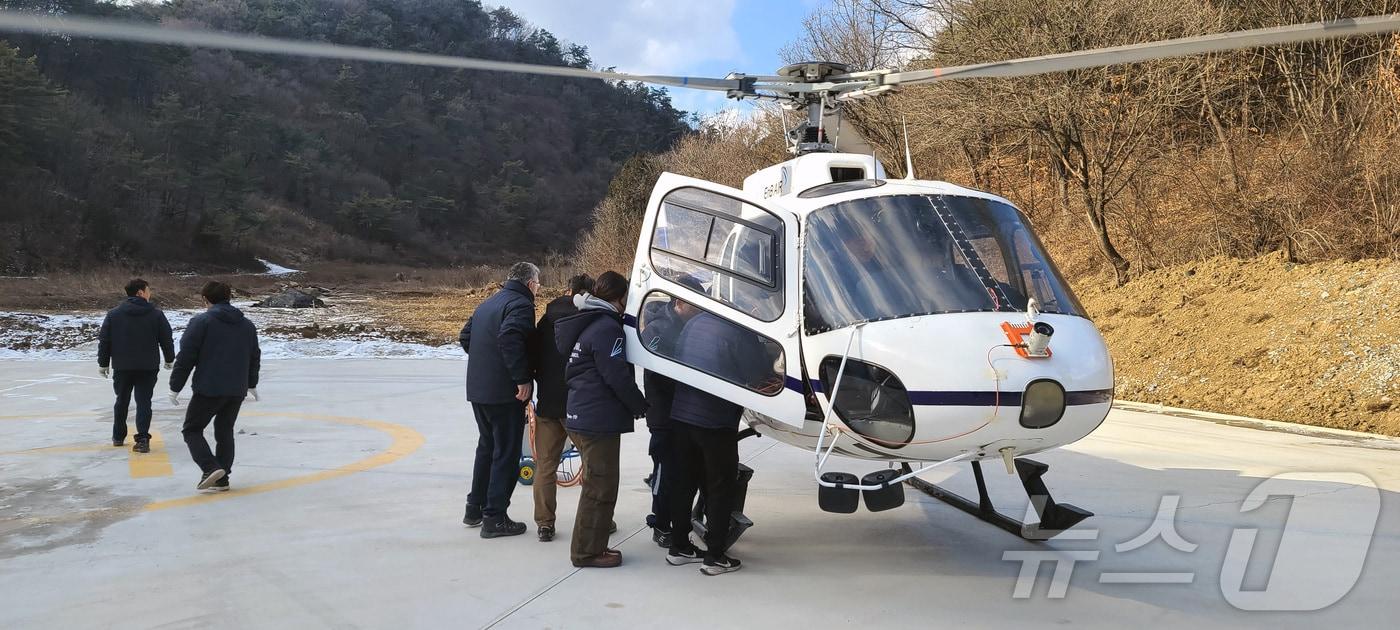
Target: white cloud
[(642, 36)]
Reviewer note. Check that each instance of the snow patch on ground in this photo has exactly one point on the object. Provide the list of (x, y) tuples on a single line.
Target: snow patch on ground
[(73, 337), (274, 269)]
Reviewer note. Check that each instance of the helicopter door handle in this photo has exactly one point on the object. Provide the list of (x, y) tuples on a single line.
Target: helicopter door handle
[(643, 274)]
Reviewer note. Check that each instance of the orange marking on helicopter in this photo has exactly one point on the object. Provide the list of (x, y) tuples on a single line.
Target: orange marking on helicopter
[(1014, 334)]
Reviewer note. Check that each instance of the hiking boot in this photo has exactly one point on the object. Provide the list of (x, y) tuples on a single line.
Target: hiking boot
[(473, 516), (684, 555), (210, 478), (661, 537), (546, 533), (141, 446), (718, 565), (498, 526), (222, 484), (601, 561)]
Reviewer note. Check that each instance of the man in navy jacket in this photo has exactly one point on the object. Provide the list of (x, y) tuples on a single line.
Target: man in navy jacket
[(221, 347), (603, 401), (133, 337), (499, 384)]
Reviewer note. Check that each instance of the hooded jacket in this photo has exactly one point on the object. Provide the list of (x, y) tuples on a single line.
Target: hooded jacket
[(603, 395), (710, 344), (133, 336), (221, 347), (495, 341), (553, 390)]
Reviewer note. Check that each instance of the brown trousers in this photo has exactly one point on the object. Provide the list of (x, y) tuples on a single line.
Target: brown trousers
[(595, 504), (549, 445)]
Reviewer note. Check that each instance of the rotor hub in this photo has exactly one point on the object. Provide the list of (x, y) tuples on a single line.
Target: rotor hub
[(812, 71)]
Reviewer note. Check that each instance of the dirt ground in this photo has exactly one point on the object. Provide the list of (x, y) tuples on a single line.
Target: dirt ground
[(1315, 344)]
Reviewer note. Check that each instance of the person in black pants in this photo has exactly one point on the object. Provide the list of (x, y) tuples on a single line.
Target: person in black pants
[(221, 347), (661, 326), (499, 385), (130, 343), (706, 435)]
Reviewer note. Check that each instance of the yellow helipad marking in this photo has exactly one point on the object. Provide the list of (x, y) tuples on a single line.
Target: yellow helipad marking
[(153, 464), (44, 450), (405, 441)]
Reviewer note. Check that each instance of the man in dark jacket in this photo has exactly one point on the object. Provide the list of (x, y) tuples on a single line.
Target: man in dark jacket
[(133, 337), (661, 327), (706, 433), (603, 401), (221, 347), (553, 392), (499, 384)]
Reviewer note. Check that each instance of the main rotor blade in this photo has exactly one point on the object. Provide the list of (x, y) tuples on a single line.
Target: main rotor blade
[(76, 26), (1149, 51)]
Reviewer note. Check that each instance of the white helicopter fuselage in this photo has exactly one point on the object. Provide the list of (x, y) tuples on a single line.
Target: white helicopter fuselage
[(910, 285)]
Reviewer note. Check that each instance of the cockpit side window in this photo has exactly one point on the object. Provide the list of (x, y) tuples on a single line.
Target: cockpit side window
[(729, 249)]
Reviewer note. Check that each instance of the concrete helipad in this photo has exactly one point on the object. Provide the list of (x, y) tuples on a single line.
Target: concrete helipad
[(351, 476)]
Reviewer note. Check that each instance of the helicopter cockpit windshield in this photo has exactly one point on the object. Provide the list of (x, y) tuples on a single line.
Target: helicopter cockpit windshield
[(896, 256)]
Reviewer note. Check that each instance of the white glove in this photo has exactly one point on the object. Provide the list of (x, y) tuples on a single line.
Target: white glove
[(105, 372), (175, 399), (169, 366), (254, 393)]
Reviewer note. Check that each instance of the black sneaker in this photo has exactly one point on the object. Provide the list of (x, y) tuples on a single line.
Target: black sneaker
[(141, 446), (498, 526), (722, 564), (661, 537), (473, 516), (685, 555), (546, 533), (121, 442), (209, 479), (222, 484)]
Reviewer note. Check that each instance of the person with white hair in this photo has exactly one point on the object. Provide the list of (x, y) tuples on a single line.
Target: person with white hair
[(500, 382)]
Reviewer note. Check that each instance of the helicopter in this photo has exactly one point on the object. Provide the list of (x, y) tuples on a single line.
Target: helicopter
[(912, 322)]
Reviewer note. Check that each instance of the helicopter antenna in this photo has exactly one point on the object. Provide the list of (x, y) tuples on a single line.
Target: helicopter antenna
[(908, 157)]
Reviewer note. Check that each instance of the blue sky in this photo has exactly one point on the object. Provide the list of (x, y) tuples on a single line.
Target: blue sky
[(690, 37)]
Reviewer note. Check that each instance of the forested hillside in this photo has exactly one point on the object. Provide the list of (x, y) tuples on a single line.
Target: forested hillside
[(146, 154)]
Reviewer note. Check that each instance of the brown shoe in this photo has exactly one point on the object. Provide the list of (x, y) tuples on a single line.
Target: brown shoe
[(601, 561)]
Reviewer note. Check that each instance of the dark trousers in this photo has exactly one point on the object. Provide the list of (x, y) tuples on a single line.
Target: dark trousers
[(223, 411), (501, 430), (596, 502), (125, 383), (662, 481), (705, 459)]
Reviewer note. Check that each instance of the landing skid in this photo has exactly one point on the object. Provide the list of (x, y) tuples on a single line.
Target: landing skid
[(1055, 518)]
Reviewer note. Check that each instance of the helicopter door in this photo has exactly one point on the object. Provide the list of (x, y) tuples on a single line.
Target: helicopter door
[(714, 299)]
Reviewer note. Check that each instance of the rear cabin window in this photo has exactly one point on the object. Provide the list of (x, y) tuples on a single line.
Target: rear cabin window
[(717, 245)]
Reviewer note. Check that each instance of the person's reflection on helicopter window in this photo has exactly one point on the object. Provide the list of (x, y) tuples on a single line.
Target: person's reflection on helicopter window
[(878, 280)]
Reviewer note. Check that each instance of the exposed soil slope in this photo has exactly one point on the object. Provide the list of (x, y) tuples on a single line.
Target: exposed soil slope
[(1315, 344)]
